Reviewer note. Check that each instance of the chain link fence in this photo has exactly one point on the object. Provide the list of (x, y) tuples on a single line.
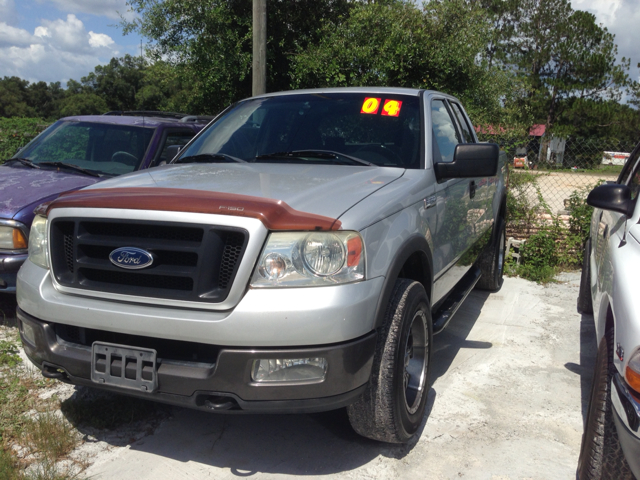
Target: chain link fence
[(551, 176)]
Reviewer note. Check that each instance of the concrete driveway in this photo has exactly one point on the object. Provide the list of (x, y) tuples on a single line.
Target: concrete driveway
[(510, 385)]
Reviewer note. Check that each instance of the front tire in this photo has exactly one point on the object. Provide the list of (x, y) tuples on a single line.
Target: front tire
[(491, 262), (601, 456), (392, 408)]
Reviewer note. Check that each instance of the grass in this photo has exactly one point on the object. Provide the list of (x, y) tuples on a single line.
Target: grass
[(33, 438)]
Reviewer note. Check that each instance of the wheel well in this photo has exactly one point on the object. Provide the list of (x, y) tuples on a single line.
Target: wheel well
[(416, 268), (609, 324)]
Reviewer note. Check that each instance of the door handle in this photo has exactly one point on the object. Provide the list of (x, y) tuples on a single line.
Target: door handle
[(472, 189)]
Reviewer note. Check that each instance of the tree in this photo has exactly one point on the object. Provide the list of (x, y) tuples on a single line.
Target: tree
[(562, 54), (83, 104), (210, 42), (399, 44), (13, 98), (118, 82)]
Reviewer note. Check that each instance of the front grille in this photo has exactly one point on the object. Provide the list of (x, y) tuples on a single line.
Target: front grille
[(190, 262)]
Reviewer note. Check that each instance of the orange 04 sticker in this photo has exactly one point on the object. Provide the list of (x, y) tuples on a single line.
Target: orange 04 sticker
[(391, 108), (371, 105)]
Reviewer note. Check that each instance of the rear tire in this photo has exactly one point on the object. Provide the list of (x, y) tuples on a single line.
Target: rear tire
[(491, 262), (601, 456), (585, 304), (392, 408)]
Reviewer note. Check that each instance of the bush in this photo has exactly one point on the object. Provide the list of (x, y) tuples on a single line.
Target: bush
[(16, 133), (554, 245)]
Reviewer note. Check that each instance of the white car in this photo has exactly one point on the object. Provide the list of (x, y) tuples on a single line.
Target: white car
[(608, 289)]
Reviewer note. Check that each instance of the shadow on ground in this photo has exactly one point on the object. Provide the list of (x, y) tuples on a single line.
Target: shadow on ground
[(588, 351), (316, 444), (8, 310)]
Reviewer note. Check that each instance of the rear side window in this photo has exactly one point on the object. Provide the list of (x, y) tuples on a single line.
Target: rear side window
[(464, 126), (173, 138), (445, 135)]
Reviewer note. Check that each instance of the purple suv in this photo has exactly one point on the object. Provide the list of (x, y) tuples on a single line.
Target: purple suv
[(73, 153)]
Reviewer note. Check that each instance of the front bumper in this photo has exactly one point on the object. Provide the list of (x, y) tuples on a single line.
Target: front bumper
[(627, 419), (223, 384), (9, 266)]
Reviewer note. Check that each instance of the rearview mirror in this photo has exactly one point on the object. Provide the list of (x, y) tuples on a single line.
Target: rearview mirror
[(613, 197), (172, 151), (470, 160)]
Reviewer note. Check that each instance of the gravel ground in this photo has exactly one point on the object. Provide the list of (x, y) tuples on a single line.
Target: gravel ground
[(511, 376), (510, 385)]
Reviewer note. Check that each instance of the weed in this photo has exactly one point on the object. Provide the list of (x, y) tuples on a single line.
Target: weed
[(9, 468), (9, 354), (50, 435)]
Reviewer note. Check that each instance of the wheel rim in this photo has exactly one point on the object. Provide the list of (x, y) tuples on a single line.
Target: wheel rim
[(415, 356)]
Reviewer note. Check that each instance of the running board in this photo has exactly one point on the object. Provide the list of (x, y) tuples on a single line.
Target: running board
[(450, 306)]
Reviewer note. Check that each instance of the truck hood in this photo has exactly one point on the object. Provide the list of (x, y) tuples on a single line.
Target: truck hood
[(22, 186), (319, 189)]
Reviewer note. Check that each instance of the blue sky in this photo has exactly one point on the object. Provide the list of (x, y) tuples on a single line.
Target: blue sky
[(55, 40)]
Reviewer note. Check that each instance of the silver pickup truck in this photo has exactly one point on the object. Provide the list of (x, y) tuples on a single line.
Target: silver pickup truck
[(298, 255)]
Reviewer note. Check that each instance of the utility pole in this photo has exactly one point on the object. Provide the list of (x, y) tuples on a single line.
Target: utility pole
[(259, 47)]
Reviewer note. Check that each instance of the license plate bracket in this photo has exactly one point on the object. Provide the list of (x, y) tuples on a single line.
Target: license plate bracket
[(123, 366)]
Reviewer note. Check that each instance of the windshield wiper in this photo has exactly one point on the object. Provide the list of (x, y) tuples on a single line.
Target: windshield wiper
[(328, 154), (209, 158), (23, 161), (71, 166)]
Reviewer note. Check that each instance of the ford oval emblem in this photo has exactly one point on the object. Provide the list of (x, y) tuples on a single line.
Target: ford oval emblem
[(131, 258)]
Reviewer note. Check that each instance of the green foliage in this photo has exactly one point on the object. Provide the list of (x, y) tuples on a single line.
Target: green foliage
[(561, 53), (551, 243), (16, 133), (210, 43), (83, 104), (398, 44), (118, 81), (9, 354)]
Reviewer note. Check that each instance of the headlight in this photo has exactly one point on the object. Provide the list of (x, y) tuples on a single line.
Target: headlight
[(12, 238), (632, 373), (38, 245), (304, 259)]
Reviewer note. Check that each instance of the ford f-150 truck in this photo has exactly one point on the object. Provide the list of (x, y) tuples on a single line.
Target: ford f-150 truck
[(298, 255)]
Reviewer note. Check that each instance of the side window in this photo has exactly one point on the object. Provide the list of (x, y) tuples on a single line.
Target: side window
[(174, 138), (466, 130), (445, 135), (633, 181)]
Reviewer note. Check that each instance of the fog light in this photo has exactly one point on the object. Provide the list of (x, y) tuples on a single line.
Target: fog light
[(29, 333), (274, 370)]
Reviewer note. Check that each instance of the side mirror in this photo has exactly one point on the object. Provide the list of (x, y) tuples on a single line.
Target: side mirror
[(172, 151), (470, 160), (614, 197)]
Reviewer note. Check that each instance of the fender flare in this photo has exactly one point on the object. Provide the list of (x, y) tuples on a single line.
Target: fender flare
[(414, 244)]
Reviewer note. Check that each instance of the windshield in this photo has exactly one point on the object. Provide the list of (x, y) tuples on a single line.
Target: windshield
[(335, 128), (96, 147)]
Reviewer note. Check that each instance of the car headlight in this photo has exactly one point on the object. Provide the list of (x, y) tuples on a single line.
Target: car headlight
[(38, 245), (12, 238), (305, 259), (632, 373)]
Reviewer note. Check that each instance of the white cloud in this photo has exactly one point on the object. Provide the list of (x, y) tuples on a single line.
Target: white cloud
[(108, 8), (97, 40), (58, 49), (12, 36), (7, 11)]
